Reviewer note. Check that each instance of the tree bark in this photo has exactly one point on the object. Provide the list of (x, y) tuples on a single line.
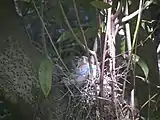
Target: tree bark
[(19, 63)]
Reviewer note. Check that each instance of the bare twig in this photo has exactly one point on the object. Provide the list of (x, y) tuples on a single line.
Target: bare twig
[(59, 57), (42, 29), (132, 15), (83, 35)]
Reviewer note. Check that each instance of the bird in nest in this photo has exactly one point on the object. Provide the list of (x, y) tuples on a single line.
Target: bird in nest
[(83, 69), (82, 72)]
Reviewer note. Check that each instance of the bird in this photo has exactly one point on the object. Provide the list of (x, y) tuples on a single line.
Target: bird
[(83, 70)]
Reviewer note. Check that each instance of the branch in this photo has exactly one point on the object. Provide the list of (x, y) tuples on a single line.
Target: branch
[(117, 12), (42, 29), (69, 26), (59, 57), (83, 35), (132, 15)]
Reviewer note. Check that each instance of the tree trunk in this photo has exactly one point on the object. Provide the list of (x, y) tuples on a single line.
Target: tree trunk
[(19, 62)]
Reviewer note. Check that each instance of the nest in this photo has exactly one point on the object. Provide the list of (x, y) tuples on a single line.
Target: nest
[(85, 102)]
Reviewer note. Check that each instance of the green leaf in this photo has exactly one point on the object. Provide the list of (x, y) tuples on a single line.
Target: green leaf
[(142, 64), (90, 32), (103, 27), (100, 5), (64, 36), (25, 1), (68, 35), (123, 46), (45, 75)]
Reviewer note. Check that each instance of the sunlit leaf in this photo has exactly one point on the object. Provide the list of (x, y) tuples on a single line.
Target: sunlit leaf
[(100, 5), (123, 46), (142, 64), (103, 27), (45, 75)]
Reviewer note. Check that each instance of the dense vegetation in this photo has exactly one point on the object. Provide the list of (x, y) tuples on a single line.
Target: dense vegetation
[(44, 45)]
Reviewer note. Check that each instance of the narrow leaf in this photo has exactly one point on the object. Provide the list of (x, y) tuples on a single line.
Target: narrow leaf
[(100, 5), (45, 75), (67, 35), (142, 65), (25, 1), (90, 32), (123, 47)]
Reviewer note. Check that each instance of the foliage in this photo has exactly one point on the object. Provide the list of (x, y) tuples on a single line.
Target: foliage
[(142, 64), (100, 5), (45, 75), (71, 26)]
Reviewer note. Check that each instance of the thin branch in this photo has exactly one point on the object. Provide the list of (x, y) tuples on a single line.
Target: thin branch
[(117, 12), (128, 31), (42, 29), (83, 35), (132, 15), (148, 101), (69, 26), (137, 25), (59, 57), (128, 38)]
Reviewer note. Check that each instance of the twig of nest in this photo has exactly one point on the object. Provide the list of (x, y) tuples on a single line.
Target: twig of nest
[(85, 101)]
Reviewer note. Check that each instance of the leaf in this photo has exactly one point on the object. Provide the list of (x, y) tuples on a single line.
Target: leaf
[(103, 27), (123, 46), (25, 1), (90, 32), (142, 64), (64, 36), (100, 5), (45, 75), (68, 35)]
